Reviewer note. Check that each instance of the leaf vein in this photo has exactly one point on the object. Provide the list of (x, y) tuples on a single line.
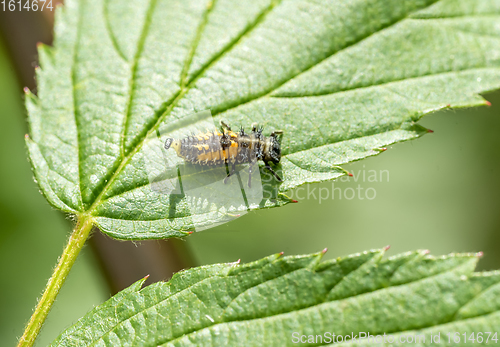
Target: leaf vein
[(196, 42), (111, 35), (382, 83), (133, 77), (260, 18)]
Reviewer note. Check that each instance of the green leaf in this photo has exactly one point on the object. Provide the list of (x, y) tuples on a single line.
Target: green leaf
[(265, 302), (342, 78)]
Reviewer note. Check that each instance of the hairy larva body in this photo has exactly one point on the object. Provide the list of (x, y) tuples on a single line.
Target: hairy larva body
[(229, 148)]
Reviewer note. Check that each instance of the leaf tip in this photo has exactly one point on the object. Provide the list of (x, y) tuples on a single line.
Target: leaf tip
[(294, 201), (280, 254), (430, 131), (487, 103), (350, 174), (26, 90), (479, 254), (26, 136), (324, 250), (387, 247)]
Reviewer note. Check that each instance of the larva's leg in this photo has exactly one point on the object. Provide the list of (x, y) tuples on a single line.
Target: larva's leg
[(274, 173), (229, 174), (226, 162)]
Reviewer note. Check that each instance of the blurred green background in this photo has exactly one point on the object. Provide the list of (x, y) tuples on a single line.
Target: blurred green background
[(442, 195)]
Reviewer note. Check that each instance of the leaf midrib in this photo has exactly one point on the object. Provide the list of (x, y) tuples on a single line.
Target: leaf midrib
[(75, 108), (184, 90)]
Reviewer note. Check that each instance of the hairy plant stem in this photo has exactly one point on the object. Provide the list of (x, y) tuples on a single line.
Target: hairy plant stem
[(66, 261)]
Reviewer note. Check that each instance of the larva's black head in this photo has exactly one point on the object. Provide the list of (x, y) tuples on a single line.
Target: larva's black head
[(272, 150)]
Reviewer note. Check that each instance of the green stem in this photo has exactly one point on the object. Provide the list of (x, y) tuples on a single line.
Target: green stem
[(73, 248)]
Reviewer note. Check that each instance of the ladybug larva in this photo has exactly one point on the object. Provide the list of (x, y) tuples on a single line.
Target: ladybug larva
[(229, 148)]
